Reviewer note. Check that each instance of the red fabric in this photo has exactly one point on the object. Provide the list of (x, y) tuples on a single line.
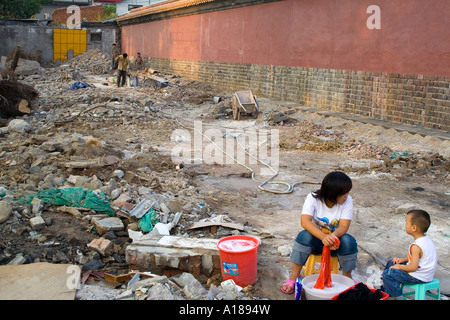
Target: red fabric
[(324, 279)]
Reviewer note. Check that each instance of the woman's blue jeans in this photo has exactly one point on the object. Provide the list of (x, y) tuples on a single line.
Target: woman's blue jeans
[(306, 244), (394, 278)]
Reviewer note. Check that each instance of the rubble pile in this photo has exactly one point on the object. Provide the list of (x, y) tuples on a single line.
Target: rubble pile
[(146, 286), (72, 193), (43, 168), (191, 92), (311, 137), (91, 60), (399, 164), (314, 137), (274, 117)]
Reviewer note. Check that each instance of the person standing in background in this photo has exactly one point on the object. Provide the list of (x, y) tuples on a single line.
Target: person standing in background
[(114, 53), (138, 62), (122, 67)]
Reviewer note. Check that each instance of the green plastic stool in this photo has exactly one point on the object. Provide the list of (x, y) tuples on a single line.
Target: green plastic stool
[(421, 290)]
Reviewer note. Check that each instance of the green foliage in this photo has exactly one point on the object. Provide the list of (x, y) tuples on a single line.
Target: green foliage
[(20, 9), (110, 12)]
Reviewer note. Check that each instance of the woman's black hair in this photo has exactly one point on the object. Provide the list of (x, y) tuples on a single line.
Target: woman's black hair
[(334, 184)]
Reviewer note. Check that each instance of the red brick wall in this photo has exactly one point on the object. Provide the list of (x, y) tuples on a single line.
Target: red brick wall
[(330, 34), (316, 52), (400, 98)]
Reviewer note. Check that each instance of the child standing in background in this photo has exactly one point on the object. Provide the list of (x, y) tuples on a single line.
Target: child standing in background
[(138, 62)]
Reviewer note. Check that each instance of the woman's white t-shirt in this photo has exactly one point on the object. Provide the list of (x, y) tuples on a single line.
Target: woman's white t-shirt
[(327, 219)]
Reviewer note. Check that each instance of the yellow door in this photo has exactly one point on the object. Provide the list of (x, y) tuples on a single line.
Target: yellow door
[(68, 39)]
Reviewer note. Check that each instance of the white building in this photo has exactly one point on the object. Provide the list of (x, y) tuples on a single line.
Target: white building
[(122, 6)]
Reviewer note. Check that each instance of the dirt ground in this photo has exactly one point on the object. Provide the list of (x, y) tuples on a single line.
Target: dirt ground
[(389, 168), (377, 192)]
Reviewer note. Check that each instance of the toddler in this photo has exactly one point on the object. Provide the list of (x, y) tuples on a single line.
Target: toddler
[(420, 265)]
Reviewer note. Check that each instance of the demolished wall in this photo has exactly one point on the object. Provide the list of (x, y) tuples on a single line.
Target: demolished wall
[(37, 42)]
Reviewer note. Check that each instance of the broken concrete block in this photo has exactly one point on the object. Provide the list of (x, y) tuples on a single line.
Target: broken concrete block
[(27, 67), (122, 200), (41, 280), (19, 126), (85, 181), (142, 208), (36, 206), (175, 206), (280, 117), (112, 185), (108, 160), (119, 174), (404, 208), (80, 164), (71, 210), (192, 288), (165, 209), (160, 292), (73, 179), (126, 295), (176, 218), (3, 131), (102, 246), (167, 253), (52, 146), (18, 259), (5, 211), (162, 229), (37, 223), (148, 282), (114, 194), (284, 251), (144, 191), (106, 248), (108, 224)]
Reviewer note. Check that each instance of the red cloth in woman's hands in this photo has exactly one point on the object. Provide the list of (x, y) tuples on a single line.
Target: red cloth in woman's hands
[(324, 279)]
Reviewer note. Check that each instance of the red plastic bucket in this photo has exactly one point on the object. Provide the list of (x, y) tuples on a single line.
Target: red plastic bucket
[(238, 259)]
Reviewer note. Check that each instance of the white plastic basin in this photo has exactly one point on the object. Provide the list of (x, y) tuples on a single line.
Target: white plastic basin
[(340, 283)]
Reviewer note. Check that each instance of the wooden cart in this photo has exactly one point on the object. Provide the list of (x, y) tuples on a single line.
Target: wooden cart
[(244, 102)]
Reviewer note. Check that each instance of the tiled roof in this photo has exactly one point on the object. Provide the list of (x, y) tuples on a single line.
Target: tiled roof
[(161, 7)]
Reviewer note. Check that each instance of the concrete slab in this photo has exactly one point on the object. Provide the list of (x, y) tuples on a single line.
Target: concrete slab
[(38, 281)]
